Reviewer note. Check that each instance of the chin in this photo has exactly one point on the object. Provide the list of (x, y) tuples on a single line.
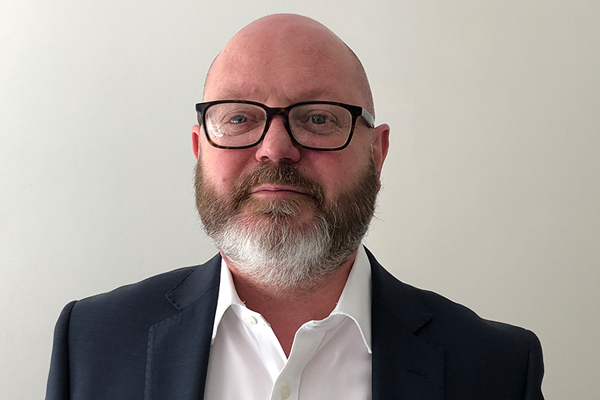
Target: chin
[(301, 210)]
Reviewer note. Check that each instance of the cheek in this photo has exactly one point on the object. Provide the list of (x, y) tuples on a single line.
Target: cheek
[(223, 168), (335, 171)]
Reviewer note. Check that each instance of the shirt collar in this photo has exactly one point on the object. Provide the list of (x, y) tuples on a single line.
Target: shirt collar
[(354, 302), (227, 297)]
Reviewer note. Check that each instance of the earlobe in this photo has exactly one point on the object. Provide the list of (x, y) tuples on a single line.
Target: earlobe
[(195, 140), (381, 145)]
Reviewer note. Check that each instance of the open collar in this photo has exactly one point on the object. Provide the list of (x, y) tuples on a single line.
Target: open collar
[(354, 302), (404, 365)]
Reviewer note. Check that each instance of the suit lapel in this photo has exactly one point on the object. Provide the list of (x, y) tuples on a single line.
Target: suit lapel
[(178, 347), (404, 365)]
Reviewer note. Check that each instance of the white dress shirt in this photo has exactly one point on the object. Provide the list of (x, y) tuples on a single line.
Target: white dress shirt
[(330, 358)]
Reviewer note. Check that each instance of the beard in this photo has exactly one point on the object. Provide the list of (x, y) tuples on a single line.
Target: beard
[(264, 239)]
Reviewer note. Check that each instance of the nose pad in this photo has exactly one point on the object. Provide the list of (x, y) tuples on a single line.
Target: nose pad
[(278, 145)]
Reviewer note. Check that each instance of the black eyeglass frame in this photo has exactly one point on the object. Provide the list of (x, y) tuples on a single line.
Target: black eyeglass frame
[(355, 111)]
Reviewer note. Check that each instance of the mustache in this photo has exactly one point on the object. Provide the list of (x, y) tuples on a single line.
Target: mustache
[(277, 174)]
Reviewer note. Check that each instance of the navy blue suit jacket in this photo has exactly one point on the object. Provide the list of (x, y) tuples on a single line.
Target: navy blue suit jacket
[(151, 341)]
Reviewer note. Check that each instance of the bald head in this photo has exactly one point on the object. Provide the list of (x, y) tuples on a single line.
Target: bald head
[(288, 54)]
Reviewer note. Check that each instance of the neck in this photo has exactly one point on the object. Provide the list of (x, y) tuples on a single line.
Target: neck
[(287, 310)]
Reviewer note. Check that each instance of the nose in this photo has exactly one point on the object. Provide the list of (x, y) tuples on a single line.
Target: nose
[(277, 144)]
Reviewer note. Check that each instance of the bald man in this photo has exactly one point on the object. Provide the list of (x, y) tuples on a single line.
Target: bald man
[(293, 307)]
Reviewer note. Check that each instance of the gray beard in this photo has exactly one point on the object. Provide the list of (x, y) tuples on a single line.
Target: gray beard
[(278, 254), (266, 243)]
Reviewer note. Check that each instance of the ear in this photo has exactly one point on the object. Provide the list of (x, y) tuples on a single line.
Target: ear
[(381, 144), (195, 140)]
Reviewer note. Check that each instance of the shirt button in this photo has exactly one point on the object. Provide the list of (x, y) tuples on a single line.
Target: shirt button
[(250, 320), (285, 391)]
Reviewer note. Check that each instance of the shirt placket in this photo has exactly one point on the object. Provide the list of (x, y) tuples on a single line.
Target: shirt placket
[(264, 339), (306, 342)]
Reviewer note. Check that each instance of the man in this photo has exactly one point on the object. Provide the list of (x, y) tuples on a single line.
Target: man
[(293, 307)]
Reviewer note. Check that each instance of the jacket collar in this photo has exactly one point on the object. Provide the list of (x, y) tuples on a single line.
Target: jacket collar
[(404, 365), (178, 347)]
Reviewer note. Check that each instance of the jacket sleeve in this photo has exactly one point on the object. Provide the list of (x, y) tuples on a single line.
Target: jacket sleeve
[(59, 377), (535, 371)]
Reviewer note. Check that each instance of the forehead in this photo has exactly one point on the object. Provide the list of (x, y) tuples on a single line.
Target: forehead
[(284, 68)]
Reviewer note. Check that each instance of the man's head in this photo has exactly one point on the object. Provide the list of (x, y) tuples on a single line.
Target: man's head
[(282, 214)]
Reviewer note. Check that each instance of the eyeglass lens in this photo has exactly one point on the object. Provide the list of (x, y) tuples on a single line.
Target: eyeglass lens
[(325, 126)]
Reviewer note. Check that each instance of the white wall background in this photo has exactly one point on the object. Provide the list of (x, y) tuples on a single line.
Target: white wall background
[(491, 189)]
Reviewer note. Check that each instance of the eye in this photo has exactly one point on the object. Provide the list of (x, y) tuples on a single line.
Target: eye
[(319, 119), (238, 119), (315, 119)]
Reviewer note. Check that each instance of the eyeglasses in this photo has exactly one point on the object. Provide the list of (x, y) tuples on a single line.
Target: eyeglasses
[(314, 125)]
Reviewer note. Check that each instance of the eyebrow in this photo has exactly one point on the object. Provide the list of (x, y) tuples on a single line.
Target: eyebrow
[(231, 94), (314, 94)]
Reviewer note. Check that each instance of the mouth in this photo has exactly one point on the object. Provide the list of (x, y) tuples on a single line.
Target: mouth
[(272, 191), (277, 183)]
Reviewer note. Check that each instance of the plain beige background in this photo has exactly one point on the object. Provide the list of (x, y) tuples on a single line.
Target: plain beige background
[(491, 188)]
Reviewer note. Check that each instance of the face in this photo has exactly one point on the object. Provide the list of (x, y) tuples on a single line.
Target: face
[(277, 181)]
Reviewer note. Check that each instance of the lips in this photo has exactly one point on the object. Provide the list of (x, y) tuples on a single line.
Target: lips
[(276, 189)]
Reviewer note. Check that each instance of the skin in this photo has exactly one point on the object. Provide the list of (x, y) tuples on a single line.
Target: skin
[(279, 60)]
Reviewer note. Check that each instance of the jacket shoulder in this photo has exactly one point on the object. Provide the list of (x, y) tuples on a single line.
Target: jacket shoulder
[(150, 291), (101, 342), (481, 356), (488, 353), (123, 316), (424, 312), (458, 321)]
